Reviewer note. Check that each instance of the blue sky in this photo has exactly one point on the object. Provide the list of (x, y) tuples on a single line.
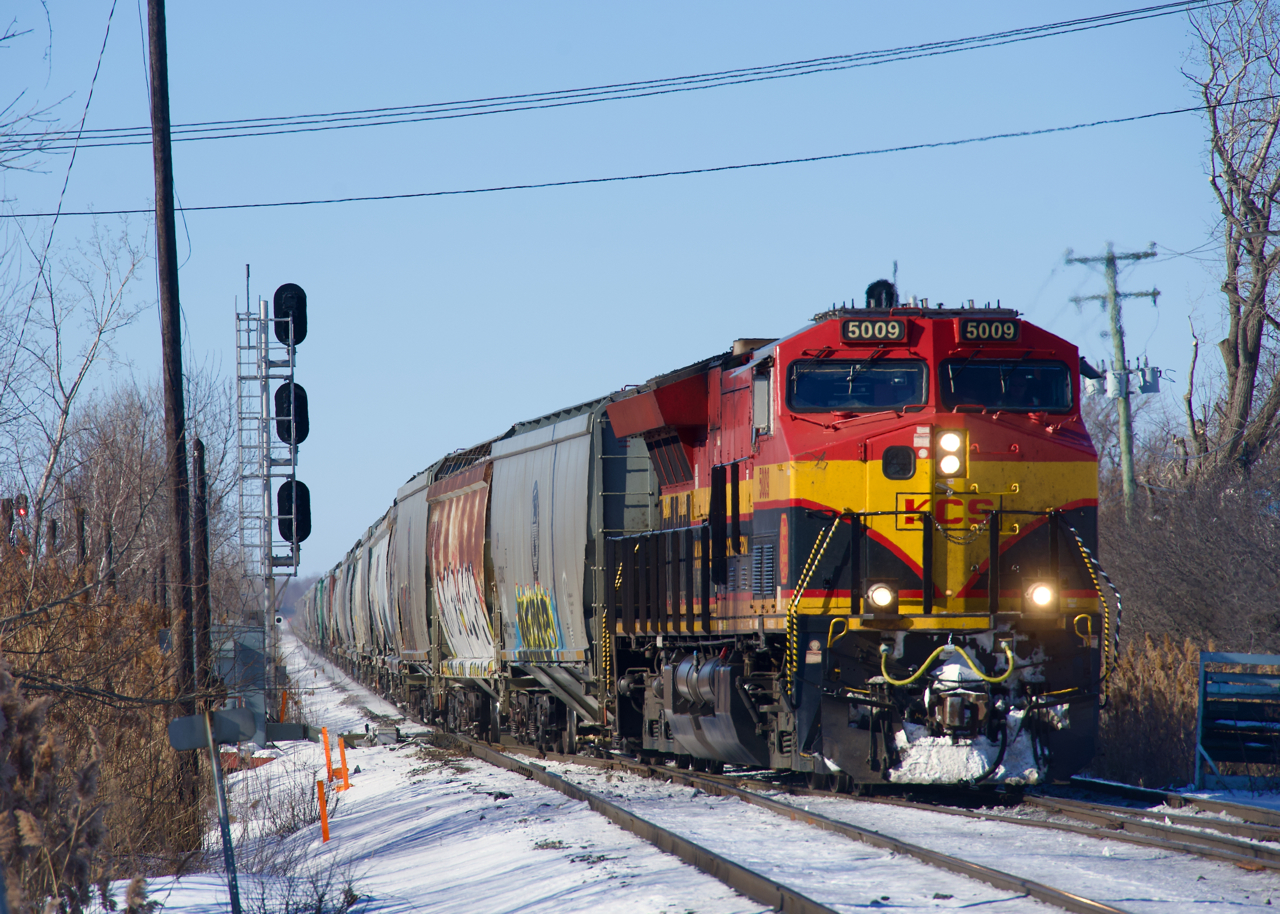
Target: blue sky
[(436, 323)]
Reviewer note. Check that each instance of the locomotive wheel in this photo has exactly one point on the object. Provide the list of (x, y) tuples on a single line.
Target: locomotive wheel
[(842, 783), (818, 780)]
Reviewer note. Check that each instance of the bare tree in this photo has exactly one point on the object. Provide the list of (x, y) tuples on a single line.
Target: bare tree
[(1239, 80), (52, 348), (24, 129)]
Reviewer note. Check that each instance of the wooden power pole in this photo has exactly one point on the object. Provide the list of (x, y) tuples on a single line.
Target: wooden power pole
[(175, 420), (1112, 300)]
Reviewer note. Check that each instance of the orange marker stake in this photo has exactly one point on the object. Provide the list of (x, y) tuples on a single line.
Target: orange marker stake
[(324, 813), (342, 748), (284, 703), (328, 758)]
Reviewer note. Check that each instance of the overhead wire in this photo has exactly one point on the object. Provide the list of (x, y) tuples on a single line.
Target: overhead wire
[(368, 117), (369, 198), (41, 274)]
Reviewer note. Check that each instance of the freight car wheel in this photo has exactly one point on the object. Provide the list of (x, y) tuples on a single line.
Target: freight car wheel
[(683, 761), (699, 764), (818, 780)]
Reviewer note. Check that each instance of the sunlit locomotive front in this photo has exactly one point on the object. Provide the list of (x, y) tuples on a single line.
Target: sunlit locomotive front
[(873, 556)]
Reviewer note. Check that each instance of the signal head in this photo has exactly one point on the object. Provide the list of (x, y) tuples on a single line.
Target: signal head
[(289, 306)]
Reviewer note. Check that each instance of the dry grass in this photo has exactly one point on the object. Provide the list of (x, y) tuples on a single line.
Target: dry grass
[(1148, 725), (99, 689)]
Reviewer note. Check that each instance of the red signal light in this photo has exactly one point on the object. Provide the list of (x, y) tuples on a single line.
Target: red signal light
[(20, 505)]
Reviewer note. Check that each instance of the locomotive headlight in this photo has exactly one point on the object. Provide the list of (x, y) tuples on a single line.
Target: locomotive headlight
[(881, 598), (949, 452), (1040, 595)]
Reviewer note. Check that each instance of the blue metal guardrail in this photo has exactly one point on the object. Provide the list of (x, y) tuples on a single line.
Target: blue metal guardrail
[(1238, 720)]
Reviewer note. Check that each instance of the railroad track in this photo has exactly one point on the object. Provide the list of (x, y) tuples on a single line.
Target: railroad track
[(1253, 814), (1187, 834), (743, 880)]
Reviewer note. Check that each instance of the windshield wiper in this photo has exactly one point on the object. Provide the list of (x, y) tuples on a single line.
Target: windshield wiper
[(1006, 369), (861, 367), (953, 373)]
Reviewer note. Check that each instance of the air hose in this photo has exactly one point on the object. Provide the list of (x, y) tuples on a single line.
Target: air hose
[(1004, 744), (884, 659)]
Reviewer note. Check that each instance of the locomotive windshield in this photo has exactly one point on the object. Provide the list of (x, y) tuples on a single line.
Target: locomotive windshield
[(1017, 385), (860, 385)]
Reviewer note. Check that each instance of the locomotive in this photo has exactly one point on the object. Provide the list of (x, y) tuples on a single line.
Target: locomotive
[(863, 551)]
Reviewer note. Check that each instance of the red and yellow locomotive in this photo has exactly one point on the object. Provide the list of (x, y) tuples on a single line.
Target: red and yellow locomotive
[(874, 556), (862, 551)]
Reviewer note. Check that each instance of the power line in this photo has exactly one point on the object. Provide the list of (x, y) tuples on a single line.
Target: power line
[(385, 116), (640, 177), (41, 274)]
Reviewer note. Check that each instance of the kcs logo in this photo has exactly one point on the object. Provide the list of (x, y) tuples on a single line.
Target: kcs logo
[(946, 511)]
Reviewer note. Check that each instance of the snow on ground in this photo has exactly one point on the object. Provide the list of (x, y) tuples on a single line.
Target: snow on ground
[(422, 829), (1266, 800), (840, 873), (1143, 880)]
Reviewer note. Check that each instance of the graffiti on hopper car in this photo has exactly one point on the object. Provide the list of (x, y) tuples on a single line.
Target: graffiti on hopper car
[(537, 622)]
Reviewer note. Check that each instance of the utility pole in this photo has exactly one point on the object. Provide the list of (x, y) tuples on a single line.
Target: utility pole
[(1112, 300), (175, 420)]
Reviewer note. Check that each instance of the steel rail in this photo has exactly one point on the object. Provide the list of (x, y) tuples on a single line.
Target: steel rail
[(1110, 823), (1254, 814), (1248, 830), (1111, 818), (720, 786), (746, 882), (1116, 823)]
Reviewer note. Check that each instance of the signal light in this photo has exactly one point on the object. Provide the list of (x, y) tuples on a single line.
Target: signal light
[(20, 505), (290, 302), (292, 422), (293, 508)]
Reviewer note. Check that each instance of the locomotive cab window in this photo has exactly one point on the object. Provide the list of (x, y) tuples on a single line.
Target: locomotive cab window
[(856, 385), (1015, 385)]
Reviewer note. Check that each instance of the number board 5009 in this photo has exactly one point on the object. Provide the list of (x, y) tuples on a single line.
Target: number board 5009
[(989, 331), (875, 330)]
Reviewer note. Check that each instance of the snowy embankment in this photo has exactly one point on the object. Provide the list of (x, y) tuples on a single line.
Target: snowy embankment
[(422, 829)]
